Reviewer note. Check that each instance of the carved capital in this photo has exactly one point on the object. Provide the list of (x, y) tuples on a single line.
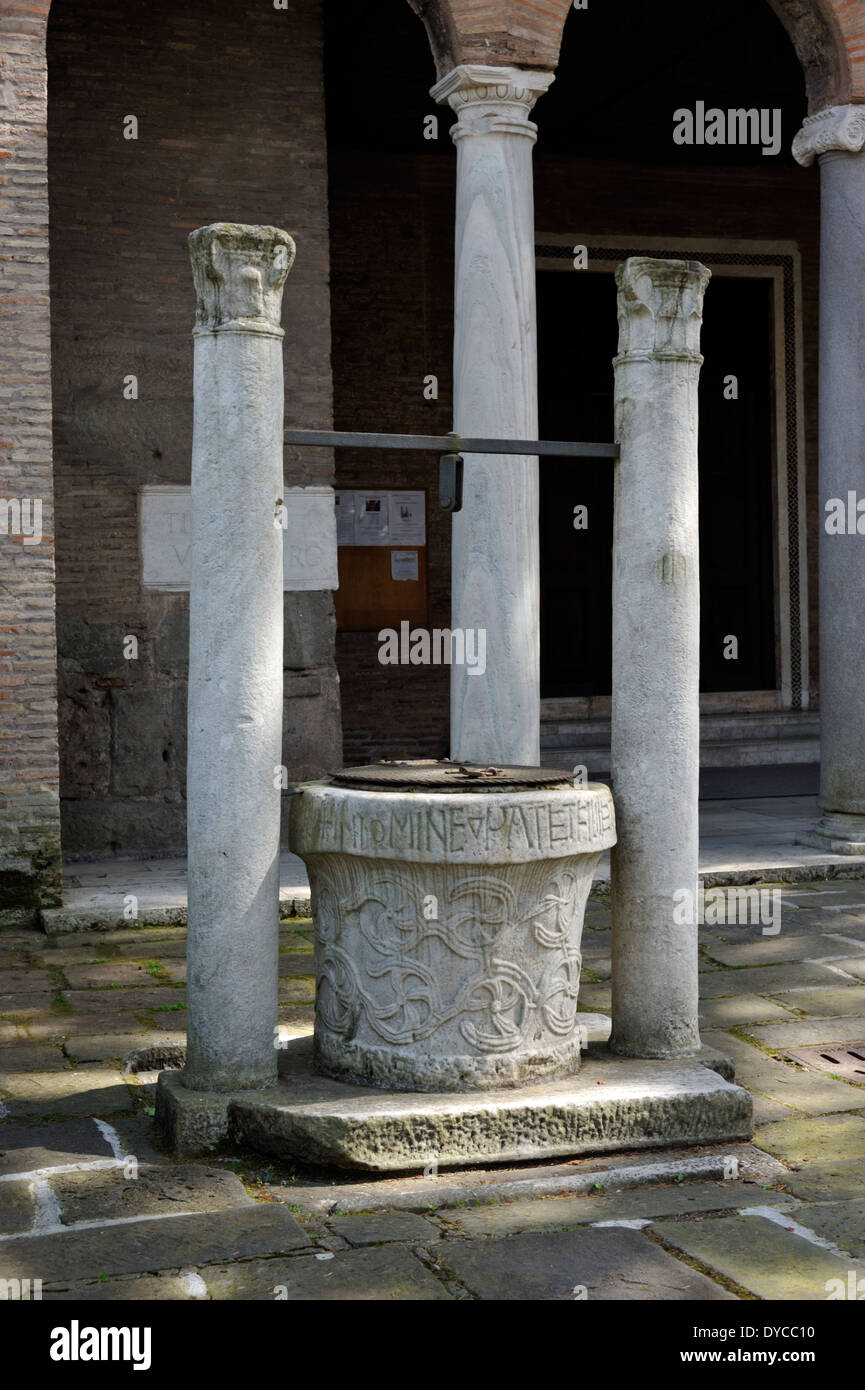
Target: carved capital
[(660, 308), (239, 273), (492, 98), (837, 129)]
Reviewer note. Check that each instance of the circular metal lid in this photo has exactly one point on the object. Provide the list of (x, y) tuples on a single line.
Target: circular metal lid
[(429, 775)]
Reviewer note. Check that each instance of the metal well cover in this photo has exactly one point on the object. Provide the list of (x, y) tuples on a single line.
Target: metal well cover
[(429, 775)]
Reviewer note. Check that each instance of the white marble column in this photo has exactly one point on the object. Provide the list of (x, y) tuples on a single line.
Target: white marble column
[(836, 136), (655, 754), (495, 716), (235, 656)]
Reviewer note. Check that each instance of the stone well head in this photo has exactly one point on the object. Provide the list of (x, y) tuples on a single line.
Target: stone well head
[(448, 905)]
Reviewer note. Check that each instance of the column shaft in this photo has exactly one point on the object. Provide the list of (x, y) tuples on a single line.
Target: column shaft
[(836, 136), (656, 658), (842, 470), (495, 715), (235, 657)]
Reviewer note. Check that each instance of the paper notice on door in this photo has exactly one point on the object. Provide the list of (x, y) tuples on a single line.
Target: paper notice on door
[(407, 518), (344, 502), (371, 518), (403, 564)]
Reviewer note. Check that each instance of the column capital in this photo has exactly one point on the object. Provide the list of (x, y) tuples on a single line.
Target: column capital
[(838, 129), (660, 308), (239, 272), (488, 98)]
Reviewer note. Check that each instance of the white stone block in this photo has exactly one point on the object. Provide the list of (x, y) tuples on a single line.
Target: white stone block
[(309, 545)]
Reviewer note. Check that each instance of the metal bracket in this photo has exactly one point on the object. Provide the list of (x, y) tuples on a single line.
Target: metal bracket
[(451, 482)]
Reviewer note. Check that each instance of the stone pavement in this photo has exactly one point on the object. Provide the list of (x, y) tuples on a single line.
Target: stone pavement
[(739, 840), (89, 1205)]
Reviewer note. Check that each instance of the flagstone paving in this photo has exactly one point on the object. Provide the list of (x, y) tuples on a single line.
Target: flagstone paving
[(92, 1207)]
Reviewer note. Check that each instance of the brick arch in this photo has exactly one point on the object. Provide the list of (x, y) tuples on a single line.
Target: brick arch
[(828, 36)]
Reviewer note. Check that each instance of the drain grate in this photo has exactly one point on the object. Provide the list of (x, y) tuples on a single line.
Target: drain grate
[(847, 1062)]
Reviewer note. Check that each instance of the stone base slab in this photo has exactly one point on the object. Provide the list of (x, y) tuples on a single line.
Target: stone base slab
[(612, 1103)]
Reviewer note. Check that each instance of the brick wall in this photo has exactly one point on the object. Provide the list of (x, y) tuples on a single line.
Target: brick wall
[(229, 102), (29, 812)]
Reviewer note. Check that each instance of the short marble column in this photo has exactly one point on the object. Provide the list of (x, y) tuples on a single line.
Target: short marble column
[(836, 136), (495, 578), (655, 755), (235, 656)]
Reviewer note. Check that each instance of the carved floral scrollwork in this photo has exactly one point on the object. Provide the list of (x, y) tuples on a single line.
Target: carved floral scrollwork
[(480, 918), (506, 998)]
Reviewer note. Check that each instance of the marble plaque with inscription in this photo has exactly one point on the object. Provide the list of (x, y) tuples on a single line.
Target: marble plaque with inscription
[(309, 546)]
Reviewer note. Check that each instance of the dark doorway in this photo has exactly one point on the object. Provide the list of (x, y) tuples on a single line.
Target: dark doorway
[(577, 338)]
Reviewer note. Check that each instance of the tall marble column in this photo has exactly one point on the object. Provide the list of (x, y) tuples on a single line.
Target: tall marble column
[(655, 753), (836, 137), (495, 715), (235, 656)]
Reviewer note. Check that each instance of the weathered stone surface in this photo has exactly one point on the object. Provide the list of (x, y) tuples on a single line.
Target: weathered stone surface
[(495, 717), (62, 1026), (107, 1000), (610, 1104), (22, 1006), (767, 1110), (31, 1057), (115, 972), (765, 979), (297, 963), (511, 868), (85, 734), (566, 1265), (104, 1049), (144, 726), (737, 1009), (843, 1180), (830, 1139), (159, 1191), (384, 1227), (151, 1288), (169, 1242), (235, 653), (310, 629), (851, 965), (842, 1223), (636, 1204), (357, 1275), (24, 1147), (655, 710), (846, 999), (758, 1255), (75, 921), (770, 950), (804, 1090), (802, 1031), (66, 1093), (17, 1207), (24, 979), (296, 991)]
